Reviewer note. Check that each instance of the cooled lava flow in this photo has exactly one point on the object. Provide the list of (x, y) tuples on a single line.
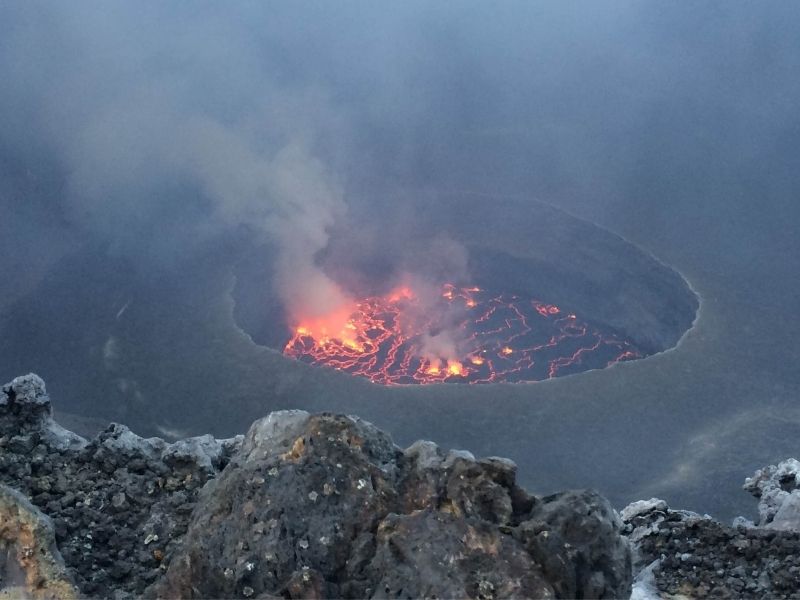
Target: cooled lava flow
[(494, 338)]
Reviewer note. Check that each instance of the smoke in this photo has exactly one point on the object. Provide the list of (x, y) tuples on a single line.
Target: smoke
[(159, 128), (290, 197), (169, 130), (432, 312), (312, 204)]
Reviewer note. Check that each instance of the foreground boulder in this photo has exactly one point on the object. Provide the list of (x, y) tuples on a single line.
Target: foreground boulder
[(312, 506), (575, 537), (303, 506), (327, 506), (30, 564)]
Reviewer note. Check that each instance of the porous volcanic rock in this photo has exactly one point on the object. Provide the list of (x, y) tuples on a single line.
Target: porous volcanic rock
[(312, 506), (119, 503), (26, 413), (777, 488), (327, 506), (302, 506), (575, 537), (30, 564), (684, 554)]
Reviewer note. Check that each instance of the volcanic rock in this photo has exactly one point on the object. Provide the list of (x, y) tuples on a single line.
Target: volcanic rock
[(686, 554), (570, 531), (119, 503), (30, 564), (432, 553), (327, 506), (298, 491), (777, 488), (313, 506), (26, 416), (303, 506)]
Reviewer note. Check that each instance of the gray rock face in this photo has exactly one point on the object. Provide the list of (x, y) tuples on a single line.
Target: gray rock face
[(302, 506), (575, 536), (683, 553), (25, 409), (777, 488), (299, 491), (435, 554), (119, 503), (205, 451), (273, 433), (327, 506), (643, 507)]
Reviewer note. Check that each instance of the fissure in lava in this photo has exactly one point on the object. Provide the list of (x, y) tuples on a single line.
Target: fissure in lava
[(499, 338)]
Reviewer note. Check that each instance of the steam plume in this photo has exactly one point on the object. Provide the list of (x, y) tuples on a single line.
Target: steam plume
[(166, 142)]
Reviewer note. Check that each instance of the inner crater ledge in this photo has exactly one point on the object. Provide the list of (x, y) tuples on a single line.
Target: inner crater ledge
[(573, 297)]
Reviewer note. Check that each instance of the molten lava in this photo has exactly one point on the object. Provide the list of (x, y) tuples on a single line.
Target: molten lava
[(395, 339)]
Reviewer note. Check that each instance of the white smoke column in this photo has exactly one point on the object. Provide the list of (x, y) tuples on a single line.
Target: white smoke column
[(241, 179), (439, 349), (290, 196), (314, 203), (173, 128), (446, 343)]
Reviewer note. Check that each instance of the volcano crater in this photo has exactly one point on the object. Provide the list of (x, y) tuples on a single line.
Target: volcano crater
[(552, 296)]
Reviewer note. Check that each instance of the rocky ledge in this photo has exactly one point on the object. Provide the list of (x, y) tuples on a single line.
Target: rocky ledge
[(314, 506), (681, 554), (303, 506)]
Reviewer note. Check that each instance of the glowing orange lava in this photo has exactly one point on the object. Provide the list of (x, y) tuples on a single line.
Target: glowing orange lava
[(492, 338)]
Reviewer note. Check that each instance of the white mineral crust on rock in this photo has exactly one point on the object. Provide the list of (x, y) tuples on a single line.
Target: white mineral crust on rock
[(777, 488)]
